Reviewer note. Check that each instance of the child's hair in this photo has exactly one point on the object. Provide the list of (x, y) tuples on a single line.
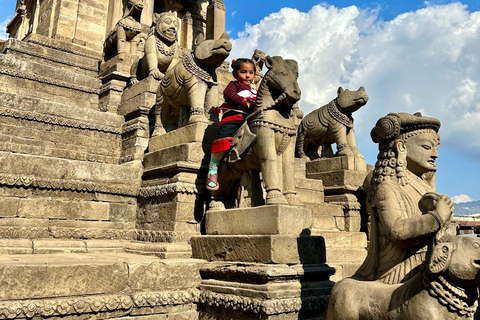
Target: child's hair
[(237, 63)]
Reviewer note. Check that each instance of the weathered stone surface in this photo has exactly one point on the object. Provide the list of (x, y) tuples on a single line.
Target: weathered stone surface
[(260, 249), (336, 163), (182, 274), (195, 132), (291, 220), (38, 276), (189, 152), (340, 178)]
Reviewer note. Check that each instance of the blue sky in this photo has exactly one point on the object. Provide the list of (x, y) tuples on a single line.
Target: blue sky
[(410, 56)]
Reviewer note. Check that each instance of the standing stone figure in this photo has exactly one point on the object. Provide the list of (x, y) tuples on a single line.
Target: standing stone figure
[(124, 38), (406, 213), (161, 48)]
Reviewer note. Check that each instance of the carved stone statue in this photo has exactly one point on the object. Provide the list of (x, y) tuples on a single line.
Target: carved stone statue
[(406, 213), (332, 123), (190, 87), (124, 38), (161, 48), (444, 289), (266, 140), (258, 58)]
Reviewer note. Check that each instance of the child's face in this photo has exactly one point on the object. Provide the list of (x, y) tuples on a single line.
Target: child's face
[(245, 74)]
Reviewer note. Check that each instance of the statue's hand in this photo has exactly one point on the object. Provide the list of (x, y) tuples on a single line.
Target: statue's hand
[(156, 74), (440, 206)]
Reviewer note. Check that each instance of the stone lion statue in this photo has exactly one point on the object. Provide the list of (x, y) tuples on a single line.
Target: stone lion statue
[(161, 49), (258, 58), (332, 123), (124, 38), (190, 87), (445, 289)]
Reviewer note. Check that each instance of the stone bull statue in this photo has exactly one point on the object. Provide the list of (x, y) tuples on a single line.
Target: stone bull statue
[(332, 123), (445, 290), (190, 87), (266, 141)]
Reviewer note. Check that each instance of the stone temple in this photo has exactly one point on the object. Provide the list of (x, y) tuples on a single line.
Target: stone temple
[(104, 212)]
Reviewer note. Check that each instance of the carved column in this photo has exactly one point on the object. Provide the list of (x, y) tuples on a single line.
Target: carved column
[(187, 31), (215, 19)]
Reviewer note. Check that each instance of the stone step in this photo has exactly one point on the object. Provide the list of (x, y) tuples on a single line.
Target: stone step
[(346, 255), (342, 239), (54, 57), (325, 216), (74, 274), (48, 173), (344, 270), (32, 79), (160, 250)]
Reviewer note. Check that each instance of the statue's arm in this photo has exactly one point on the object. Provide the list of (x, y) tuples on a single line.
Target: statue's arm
[(404, 228), (151, 56)]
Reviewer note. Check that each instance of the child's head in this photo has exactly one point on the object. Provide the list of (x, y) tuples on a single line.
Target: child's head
[(244, 70)]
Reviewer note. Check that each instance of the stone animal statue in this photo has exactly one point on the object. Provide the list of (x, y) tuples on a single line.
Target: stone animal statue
[(332, 123), (258, 58), (190, 87), (446, 288), (161, 49), (124, 38), (266, 141)]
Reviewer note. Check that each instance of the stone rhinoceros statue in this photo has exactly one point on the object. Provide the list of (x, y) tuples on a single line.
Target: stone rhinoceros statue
[(446, 289), (124, 38), (332, 123), (190, 87)]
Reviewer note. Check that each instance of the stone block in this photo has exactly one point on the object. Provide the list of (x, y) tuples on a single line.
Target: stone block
[(347, 178), (291, 220), (58, 209), (122, 212), (182, 274), (161, 250), (173, 211), (348, 255), (47, 246), (260, 248), (141, 103), (148, 84), (195, 132), (42, 276), (188, 152), (336, 163), (16, 246), (336, 239)]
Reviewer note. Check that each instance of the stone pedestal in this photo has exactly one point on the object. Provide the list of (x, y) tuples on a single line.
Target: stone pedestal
[(172, 198), (136, 103), (343, 181), (264, 264)]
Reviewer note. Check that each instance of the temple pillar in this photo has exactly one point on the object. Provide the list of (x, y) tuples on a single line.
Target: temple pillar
[(215, 19)]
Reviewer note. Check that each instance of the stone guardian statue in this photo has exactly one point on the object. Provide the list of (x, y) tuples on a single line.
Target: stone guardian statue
[(401, 186)]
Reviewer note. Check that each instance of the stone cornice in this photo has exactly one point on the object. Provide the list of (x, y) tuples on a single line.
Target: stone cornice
[(216, 4), (177, 187), (20, 180), (77, 305)]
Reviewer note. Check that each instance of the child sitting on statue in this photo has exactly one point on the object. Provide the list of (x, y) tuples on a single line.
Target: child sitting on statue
[(239, 102)]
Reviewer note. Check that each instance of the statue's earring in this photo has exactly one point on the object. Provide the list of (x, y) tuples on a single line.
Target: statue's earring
[(401, 161)]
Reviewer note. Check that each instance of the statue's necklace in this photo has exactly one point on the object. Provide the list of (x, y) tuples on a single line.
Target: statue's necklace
[(129, 28), (337, 115), (449, 296), (193, 68)]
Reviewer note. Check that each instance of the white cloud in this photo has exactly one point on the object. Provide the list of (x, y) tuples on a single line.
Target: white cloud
[(3, 28), (424, 60), (234, 13), (462, 198)]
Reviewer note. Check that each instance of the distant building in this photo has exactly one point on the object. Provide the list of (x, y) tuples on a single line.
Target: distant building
[(468, 224)]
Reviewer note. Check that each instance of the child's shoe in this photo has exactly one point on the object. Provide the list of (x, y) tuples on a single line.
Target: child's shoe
[(212, 181)]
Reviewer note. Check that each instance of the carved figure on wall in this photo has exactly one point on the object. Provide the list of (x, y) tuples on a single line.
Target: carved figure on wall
[(190, 87), (332, 123), (266, 140), (161, 49), (446, 288), (402, 185), (124, 38), (258, 58)]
